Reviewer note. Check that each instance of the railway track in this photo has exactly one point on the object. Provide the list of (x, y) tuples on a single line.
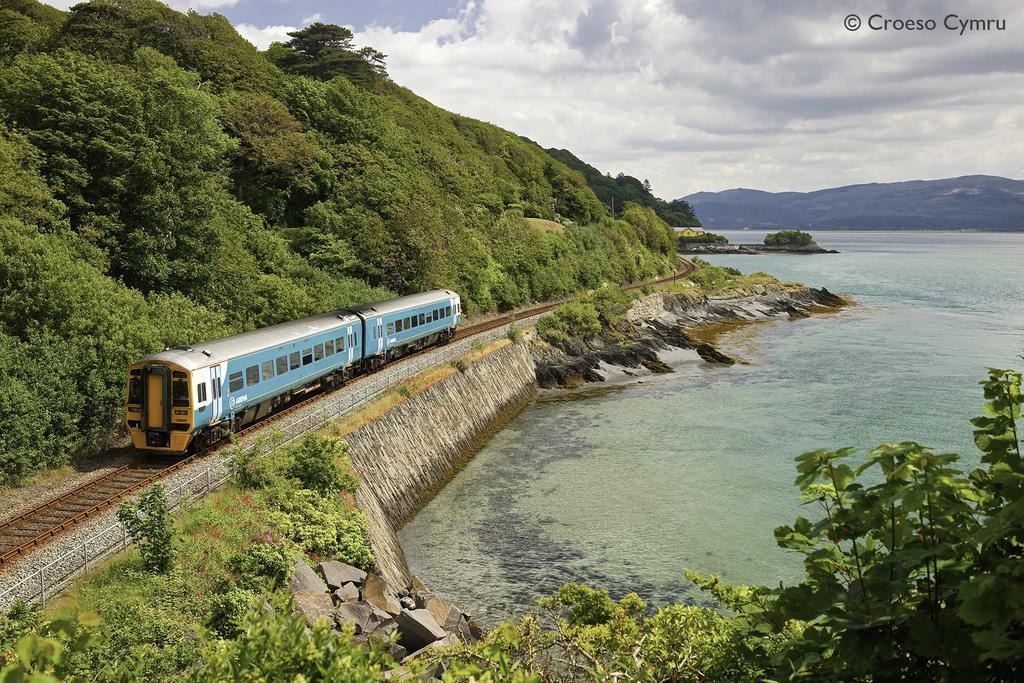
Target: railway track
[(37, 526)]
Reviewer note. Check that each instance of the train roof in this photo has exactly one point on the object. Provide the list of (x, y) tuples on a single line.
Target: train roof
[(403, 302), (207, 353)]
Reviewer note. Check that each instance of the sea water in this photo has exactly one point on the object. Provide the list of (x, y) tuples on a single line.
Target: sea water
[(625, 487)]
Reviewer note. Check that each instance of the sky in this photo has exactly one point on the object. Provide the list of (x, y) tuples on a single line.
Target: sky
[(705, 95)]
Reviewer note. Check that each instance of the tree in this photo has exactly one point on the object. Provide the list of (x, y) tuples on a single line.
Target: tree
[(789, 238), (323, 51), (148, 523)]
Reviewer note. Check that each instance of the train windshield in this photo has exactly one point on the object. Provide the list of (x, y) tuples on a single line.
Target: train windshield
[(179, 390), (135, 388)]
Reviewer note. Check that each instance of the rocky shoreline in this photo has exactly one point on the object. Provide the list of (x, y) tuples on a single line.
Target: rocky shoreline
[(752, 249), (659, 323)]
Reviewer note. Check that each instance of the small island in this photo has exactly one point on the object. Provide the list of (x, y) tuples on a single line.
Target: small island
[(696, 241)]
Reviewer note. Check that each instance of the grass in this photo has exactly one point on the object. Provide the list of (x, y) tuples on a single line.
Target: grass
[(401, 393), (545, 225)]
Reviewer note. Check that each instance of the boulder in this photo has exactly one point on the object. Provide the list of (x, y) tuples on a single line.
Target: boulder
[(359, 614), (348, 592), (337, 574), (458, 623), (448, 641), (474, 628), (438, 608), (712, 355), (305, 579), (407, 602), (382, 624), (418, 628), (312, 605), (377, 593)]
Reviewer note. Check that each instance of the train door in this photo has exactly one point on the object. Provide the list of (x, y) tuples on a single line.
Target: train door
[(350, 345), (156, 397), (216, 380), (380, 335)]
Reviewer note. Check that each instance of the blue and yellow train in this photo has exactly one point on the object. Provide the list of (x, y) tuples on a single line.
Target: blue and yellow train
[(183, 399)]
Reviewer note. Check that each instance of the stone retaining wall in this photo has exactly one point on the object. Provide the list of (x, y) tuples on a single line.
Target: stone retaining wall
[(406, 455)]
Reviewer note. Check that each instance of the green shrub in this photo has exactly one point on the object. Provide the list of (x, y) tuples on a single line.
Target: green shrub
[(573, 320), (321, 464), (250, 470), (229, 611), (274, 646), (515, 332), (459, 364), (148, 523), (266, 561)]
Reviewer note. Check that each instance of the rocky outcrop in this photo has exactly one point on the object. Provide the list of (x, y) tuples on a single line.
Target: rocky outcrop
[(659, 322), (372, 613), (752, 249)]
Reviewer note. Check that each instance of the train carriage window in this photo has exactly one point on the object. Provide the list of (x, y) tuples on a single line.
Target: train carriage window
[(282, 365), (215, 388), (268, 370), (415, 321), (307, 356), (201, 393), (235, 382), (329, 348), (252, 375), (179, 389), (398, 325), (318, 352), (339, 344), (135, 387), (293, 360), (422, 318), (355, 339), (437, 314), (447, 311), (391, 328)]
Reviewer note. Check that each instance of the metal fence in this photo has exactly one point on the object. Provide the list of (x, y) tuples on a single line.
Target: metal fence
[(47, 580)]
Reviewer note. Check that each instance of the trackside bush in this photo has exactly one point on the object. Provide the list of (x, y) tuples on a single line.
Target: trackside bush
[(573, 320), (148, 523), (321, 464)]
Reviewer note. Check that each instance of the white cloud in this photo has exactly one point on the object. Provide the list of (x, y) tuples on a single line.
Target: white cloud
[(311, 19), (263, 37), (705, 95)]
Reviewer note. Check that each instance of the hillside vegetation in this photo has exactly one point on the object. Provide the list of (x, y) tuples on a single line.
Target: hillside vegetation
[(162, 182), (616, 192)]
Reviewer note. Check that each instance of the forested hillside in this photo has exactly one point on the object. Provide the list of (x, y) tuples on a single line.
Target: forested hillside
[(624, 188), (162, 181)]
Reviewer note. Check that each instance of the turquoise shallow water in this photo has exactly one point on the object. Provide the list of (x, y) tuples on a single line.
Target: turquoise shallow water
[(624, 488)]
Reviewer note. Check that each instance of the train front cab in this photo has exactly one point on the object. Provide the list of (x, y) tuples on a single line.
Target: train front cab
[(159, 407)]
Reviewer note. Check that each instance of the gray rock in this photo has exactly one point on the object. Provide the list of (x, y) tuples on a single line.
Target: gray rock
[(359, 614), (458, 624), (448, 641), (407, 602), (337, 574), (377, 593), (312, 605), (305, 579), (418, 628), (349, 592), (475, 629), (439, 608)]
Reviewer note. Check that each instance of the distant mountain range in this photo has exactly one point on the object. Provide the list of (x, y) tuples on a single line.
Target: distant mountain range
[(977, 202)]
